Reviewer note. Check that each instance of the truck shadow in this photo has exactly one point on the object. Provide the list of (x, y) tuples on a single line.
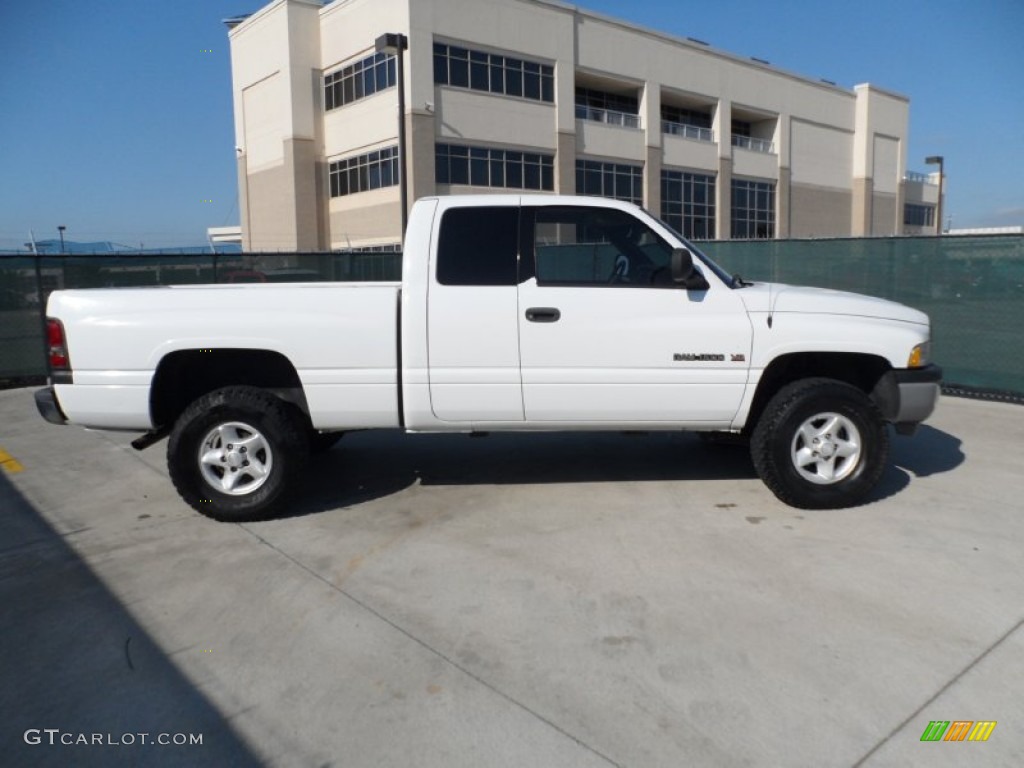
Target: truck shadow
[(928, 452), (369, 465)]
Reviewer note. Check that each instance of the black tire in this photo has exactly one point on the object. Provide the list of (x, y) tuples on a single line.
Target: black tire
[(808, 467), (262, 479), (322, 442)]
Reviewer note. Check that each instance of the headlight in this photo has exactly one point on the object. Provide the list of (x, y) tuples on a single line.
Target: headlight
[(920, 355)]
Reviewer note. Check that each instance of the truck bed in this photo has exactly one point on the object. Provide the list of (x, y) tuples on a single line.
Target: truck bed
[(341, 338)]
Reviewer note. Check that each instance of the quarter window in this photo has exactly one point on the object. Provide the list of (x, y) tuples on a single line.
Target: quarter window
[(478, 246)]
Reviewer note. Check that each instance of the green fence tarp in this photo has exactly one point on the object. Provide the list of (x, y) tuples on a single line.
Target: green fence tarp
[(972, 287), (21, 331)]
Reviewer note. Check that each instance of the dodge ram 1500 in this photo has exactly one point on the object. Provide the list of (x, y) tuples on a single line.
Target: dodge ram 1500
[(513, 313)]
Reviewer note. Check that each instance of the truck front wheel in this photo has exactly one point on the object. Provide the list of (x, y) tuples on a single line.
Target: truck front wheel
[(820, 444), (235, 452)]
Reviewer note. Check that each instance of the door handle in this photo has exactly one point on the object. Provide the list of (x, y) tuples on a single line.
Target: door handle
[(543, 315)]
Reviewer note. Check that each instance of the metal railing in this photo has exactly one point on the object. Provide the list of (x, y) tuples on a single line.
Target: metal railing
[(920, 178), (607, 116), (695, 132), (754, 145)]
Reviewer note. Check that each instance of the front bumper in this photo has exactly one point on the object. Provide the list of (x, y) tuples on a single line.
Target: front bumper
[(908, 397), (49, 408)]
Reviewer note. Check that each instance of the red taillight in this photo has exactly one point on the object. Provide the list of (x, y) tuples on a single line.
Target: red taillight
[(56, 346)]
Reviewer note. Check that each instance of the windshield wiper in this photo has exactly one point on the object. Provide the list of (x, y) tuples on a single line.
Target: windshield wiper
[(739, 282)]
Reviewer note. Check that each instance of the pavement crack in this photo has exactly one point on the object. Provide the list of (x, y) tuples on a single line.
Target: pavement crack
[(434, 651), (949, 684)]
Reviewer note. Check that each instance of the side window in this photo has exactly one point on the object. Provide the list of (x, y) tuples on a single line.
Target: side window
[(598, 246), (478, 246)]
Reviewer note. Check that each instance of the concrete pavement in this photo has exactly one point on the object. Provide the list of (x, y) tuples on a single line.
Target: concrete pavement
[(546, 600)]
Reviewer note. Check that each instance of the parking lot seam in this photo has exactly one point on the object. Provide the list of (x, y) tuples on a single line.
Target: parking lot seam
[(953, 681), (434, 651)]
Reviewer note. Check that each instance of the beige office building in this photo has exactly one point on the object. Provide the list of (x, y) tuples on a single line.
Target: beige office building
[(536, 95)]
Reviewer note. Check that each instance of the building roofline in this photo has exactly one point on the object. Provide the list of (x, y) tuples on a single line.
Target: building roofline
[(695, 45), (240, 22), (883, 91), (689, 43)]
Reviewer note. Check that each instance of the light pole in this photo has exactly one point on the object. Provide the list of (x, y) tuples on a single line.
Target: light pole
[(937, 160), (61, 228), (396, 43)]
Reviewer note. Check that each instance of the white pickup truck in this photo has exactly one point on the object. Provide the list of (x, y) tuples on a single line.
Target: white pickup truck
[(514, 313)]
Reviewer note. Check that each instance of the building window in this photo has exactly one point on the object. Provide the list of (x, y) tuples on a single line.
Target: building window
[(741, 128), (685, 116), (359, 80), (918, 215), (480, 71), (688, 123), (364, 172), (611, 108), (743, 138), (484, 167), (753, 209), (387, 248), (615, 180), (688, 204)]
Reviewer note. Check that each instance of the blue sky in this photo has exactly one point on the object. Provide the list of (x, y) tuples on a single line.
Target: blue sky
[(116, 114)]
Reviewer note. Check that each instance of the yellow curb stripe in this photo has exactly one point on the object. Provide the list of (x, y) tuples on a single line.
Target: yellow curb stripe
[(9, 463)]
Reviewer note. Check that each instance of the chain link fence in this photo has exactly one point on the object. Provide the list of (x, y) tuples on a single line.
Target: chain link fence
[(972, 287)]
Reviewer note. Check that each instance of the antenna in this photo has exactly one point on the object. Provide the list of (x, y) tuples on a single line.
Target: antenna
[(771, 290)]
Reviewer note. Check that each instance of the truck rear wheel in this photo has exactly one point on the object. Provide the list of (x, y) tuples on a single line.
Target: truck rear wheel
[(235, 452), (820, 444)]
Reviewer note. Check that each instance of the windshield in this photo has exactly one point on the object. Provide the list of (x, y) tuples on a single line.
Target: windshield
[(724, 276)]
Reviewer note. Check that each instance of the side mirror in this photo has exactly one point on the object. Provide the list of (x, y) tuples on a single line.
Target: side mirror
[(685, 273)]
